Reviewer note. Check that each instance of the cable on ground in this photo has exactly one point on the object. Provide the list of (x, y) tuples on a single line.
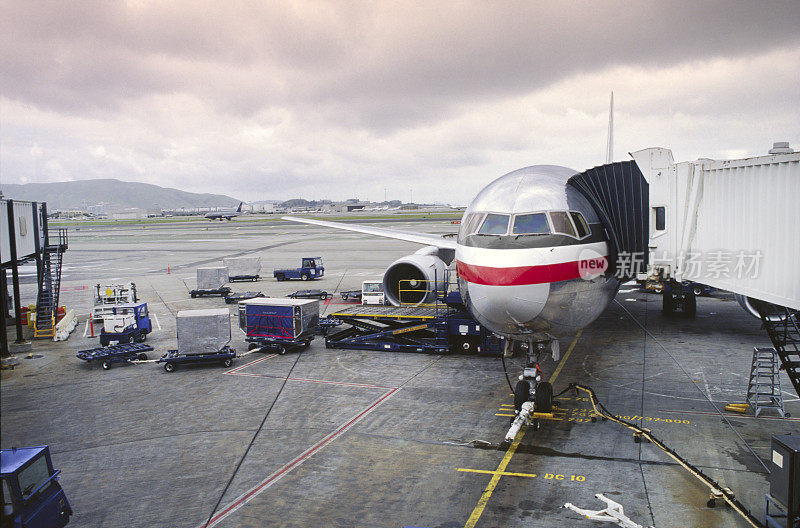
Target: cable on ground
[(717, 491), (252, 441)]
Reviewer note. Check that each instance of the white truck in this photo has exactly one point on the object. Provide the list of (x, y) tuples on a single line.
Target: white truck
[(372, 292)]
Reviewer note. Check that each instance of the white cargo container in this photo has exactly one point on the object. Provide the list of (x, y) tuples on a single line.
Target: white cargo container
[(733, 225), (242, 266), (203, 331), (212, 278)]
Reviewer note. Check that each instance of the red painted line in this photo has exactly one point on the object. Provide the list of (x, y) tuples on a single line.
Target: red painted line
[(305, 455), (305, 380), (237, 369), (525, 275), (731, 415), (74, 288)]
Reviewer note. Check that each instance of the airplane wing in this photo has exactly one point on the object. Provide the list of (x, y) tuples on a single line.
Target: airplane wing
[(418, 238)]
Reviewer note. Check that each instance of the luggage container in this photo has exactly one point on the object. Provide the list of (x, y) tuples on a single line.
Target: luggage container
[(203, 331), (212, 278), (279, 324), (243, 268)]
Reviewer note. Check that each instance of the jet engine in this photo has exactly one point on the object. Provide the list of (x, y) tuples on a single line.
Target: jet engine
[(414, 279)]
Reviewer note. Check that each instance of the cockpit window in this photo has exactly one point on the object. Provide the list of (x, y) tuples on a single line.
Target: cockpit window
[(531, 224), (561, 223), (580, 224), (470, 223), (494, 224)]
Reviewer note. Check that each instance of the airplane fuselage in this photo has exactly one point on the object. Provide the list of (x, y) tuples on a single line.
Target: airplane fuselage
[(531, 256)]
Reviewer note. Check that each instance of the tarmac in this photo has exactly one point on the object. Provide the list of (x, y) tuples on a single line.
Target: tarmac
[(345, 438)]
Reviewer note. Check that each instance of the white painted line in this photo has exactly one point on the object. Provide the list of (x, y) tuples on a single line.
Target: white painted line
[(86, 326), (157, 323)]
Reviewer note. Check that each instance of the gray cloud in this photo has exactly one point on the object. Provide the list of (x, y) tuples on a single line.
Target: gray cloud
[(276, 97)]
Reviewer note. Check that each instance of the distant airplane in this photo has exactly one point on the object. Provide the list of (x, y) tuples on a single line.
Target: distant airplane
[(225, 215)]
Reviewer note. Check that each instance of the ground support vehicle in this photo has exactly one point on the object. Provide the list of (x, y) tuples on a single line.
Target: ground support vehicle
[(327, 323), (372, 293), (106, 296), (279, 346), (243, 278), (354, 295), (434, 330), (126, 323), (309, 294), (236, 297), (699, 289), (173, 358), (279, 325), (311, 268), (224, 291), (108, 355), (32, 496)]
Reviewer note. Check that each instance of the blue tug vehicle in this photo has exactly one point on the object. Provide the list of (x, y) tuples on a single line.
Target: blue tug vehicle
[(32, 496)]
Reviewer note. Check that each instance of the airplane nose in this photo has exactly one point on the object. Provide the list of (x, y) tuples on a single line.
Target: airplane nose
[(508, 306)]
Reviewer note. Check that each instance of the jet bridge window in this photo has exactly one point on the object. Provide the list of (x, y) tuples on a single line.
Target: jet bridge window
[(531, 224), (561, 223), (494, 224), (661, 218)]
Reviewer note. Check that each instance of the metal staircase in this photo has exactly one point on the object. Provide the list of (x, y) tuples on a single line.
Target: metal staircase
[(49, 287), (781, 324), (764, 389)]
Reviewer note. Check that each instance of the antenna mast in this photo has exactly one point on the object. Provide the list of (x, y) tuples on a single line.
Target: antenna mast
[(610, 144)]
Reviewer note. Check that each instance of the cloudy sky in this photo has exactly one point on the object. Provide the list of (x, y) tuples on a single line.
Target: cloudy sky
[(275, 100)]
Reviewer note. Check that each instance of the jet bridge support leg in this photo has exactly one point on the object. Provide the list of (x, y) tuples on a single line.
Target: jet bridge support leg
[(677, 297)]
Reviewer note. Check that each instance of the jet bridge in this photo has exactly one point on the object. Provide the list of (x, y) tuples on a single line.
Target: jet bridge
[(619, 194), (729, 224)]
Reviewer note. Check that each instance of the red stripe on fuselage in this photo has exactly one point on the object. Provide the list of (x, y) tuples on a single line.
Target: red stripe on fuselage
[(524, 275)]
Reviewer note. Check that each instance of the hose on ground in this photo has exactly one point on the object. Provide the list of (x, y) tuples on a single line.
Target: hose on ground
[(716, 490)]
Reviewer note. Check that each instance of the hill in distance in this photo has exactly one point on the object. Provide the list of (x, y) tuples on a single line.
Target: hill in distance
[(120, 194)]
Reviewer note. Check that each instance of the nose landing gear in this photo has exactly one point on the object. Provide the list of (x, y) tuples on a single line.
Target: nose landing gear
[(532, 396)]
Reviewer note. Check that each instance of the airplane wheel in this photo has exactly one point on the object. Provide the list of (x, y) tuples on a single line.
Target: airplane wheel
[(689, 305), (667, 302), (522, 393), (544, 397)]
